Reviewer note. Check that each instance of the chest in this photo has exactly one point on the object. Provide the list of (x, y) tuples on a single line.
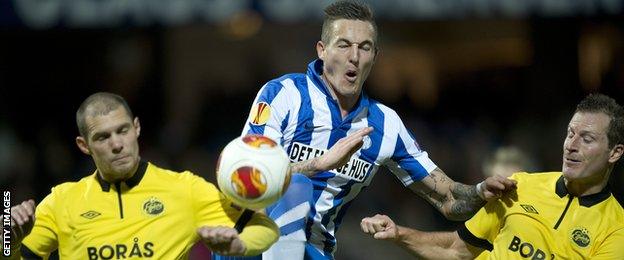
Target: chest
[(559, 228), (136, 223)]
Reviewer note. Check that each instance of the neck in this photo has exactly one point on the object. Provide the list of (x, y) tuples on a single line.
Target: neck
[(588, 186), (346, 103), (114, 178)]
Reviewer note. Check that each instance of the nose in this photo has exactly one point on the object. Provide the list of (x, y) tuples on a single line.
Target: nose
[(571, 143), (116, 143), (354, 54)]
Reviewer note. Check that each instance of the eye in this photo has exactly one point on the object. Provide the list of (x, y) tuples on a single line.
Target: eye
[(570, 133), (365, 47), (588, 138), (343, 46)]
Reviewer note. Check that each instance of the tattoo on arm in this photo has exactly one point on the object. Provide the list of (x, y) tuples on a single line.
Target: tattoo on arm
[(467, 202), (306, 168), (432, 194), (455, 200)]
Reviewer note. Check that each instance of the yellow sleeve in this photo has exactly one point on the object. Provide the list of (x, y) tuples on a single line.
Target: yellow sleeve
[(43, 238), (611, 247), (259, 234), (212, 208), (486, 223)]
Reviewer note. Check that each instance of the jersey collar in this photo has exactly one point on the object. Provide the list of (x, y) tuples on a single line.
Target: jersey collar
[(133, 181), (588, 200)]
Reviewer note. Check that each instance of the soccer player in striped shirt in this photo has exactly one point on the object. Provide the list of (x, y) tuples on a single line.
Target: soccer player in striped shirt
[(309, 113)]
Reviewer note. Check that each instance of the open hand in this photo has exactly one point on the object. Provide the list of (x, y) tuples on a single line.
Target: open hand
[(339, 154), (222, 240)]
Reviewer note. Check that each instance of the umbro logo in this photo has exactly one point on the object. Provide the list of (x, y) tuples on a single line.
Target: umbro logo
[(90, 214), (529, 208)]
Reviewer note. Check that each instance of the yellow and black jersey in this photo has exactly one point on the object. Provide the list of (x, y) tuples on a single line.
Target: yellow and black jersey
[(541, 220), (154, 214)]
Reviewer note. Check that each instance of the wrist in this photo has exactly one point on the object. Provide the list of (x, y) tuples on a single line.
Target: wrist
[(401, 234), (479, 189)]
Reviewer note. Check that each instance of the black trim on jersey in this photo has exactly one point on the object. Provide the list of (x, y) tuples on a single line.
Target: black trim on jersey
[(242, 221), (118, 188), (133, 181), (28, 254), (586, 201), (563, 213), (471, 239)]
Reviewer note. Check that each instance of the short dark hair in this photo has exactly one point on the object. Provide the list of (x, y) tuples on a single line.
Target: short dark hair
[(350, 10), (595, 103), (100, 103)]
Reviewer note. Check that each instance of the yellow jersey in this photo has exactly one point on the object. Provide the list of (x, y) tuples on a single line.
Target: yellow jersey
[(541, 220), (154, 214)]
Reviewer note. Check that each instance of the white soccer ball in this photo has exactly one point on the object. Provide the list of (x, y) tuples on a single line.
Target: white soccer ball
[(253, 171)]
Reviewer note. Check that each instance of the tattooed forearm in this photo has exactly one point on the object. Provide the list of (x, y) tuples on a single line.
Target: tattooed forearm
[(455, 200), (433, 192), (307, 168), (466, 201)]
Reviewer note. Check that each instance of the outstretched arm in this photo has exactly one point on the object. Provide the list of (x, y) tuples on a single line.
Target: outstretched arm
[(426, 245), (337, 156), (458, 201)]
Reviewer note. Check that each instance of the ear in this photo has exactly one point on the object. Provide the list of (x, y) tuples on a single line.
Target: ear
[(137, 126), (320, 50), (82, 145), (616, 153)]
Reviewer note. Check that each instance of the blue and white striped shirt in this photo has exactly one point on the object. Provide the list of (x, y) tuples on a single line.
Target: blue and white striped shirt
[(298, 111)]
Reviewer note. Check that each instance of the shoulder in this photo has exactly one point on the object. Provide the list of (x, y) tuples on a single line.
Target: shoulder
[(287, 85), (379, 110), (69, 187), (616, 211), (536, 176), (171, 177), (285, 81)]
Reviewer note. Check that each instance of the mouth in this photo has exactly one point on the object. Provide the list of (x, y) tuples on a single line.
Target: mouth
[(351, 75), (571, 161), (120, 158)]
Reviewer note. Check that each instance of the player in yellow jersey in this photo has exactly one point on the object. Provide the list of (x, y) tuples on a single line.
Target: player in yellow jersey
[(553, 215), (129, 208)]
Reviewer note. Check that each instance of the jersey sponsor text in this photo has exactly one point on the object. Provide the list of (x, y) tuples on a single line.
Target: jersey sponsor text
[(355, 169)]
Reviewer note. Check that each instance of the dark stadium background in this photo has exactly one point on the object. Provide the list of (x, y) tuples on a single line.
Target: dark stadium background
[(465, 77)]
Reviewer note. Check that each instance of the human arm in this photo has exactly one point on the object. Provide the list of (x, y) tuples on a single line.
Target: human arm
[(458, 201), (22, 222), (426, 245), (225, 228), (257, 236), (338, 155)]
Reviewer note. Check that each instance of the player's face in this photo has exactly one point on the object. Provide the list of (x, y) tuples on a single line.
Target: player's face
[(586, 153), (113, 143), (348, 56)]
